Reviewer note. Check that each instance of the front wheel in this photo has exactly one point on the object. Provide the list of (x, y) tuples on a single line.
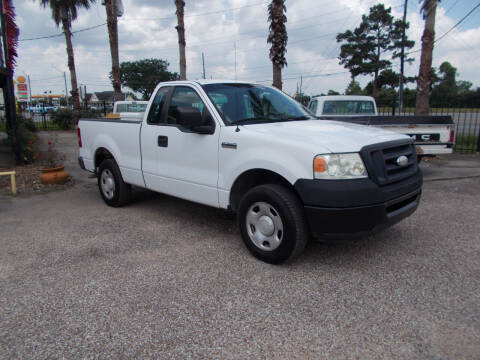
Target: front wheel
[(115, 192), (272, 223)]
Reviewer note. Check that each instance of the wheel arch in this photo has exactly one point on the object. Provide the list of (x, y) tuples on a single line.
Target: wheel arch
[(254, 177), (101, 154)]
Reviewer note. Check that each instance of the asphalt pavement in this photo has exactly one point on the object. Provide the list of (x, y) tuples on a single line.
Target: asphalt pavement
[(167, 278)]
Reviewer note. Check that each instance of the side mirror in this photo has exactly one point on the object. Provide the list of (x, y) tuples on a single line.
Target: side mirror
[(189, 117), (192, 119)]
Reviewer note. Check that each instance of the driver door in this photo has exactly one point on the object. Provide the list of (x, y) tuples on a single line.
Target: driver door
[(186, 162)]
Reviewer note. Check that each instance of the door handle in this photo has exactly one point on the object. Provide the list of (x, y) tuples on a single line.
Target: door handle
[(163, 141)]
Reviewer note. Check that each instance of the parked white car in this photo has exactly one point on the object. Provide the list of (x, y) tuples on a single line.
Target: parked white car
[(252, 149), (129, 110), (432, 134)]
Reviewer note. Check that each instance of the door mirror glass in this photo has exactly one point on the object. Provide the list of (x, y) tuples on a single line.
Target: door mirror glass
[(188, 117)]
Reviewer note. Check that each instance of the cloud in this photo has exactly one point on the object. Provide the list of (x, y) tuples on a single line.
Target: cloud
[(147, 30)]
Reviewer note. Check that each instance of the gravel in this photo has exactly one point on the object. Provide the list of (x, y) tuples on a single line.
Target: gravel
[(166, 278)]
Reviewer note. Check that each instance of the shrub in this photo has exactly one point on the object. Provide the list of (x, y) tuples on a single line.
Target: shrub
[(64, 119)]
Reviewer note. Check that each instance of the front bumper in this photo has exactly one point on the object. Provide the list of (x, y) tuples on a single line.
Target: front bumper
[(343, 207)]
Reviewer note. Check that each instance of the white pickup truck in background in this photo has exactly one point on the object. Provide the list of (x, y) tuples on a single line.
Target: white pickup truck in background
[(255, 151), (433, 135), (128, 110)]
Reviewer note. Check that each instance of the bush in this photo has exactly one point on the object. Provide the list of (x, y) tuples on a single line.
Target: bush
[(64, 119), (26, 137)]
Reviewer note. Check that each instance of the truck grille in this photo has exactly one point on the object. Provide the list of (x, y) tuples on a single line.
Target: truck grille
[(384, 161)]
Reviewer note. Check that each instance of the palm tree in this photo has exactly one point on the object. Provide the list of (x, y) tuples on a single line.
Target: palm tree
[(180, 4), (424, 81), (278, 38), (111, 9), (64, 12)]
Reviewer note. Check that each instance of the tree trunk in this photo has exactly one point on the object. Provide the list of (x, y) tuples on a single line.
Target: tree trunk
[(71, 63), (374, 85), (277, 76), (181, 38), (422, 105), (111, 8)]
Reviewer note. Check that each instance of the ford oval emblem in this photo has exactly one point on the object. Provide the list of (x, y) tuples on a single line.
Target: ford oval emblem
[(402, 160)]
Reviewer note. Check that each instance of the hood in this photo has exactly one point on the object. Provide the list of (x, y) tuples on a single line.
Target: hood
[(334, 136)]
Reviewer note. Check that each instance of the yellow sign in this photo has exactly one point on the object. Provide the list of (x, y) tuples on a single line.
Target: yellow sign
[(21, 79)]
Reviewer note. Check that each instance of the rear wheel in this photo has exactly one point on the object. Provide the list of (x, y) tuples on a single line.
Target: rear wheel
[(115, 192), (272, 223)]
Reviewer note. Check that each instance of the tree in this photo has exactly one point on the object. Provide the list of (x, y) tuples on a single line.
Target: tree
[(278, 38), (422, 106), (111, 7), (353, 88), (180, 4), (143, 76), (64, 12), (369, 48)]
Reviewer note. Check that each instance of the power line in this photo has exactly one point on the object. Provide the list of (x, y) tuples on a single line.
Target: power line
[(61, 34), (449, 30), (199, 14)]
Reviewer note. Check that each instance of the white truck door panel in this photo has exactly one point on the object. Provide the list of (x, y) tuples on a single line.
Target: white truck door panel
[(180, 162)]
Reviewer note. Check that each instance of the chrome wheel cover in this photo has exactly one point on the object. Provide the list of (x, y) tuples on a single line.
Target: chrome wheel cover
[(264, 226), (107, 183)]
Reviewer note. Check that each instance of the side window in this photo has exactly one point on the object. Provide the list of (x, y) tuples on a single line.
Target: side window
[(186, 97), (155, 113), (313, 106)]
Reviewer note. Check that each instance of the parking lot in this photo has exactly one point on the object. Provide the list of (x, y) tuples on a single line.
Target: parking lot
[(166, 278)]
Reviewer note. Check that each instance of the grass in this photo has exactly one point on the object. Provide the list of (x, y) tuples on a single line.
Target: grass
[(466, 143)]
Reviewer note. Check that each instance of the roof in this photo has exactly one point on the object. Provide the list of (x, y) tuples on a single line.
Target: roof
[(209, 81), (343, 97)]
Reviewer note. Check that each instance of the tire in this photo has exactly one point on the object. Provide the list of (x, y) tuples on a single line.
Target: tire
[(272, 223), (115, 192)]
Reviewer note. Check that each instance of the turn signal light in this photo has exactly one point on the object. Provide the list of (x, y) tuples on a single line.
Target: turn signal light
[(319, 165)]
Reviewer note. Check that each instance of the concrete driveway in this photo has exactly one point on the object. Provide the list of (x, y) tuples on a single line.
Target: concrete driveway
[(166, 278)]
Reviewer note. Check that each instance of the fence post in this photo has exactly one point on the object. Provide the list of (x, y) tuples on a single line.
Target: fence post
[(104, 109), (478, 140)]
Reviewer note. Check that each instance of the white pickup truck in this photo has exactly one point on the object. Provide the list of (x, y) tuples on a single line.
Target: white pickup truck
[(433, 135), (254, 150)]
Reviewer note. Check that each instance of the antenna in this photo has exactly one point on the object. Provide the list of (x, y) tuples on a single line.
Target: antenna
[(235, 47), (203, 64)]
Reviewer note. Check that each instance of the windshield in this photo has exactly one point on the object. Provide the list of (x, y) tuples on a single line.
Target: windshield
[(248, 103), (348, 107)]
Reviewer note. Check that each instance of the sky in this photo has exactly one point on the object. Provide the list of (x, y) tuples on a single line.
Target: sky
[(232, 35)]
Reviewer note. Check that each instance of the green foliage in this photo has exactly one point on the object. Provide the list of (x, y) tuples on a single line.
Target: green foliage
[(333, 92), (64, 119), (369, 48), (142, 76), (26, 137), (354, 88), (447, 90), (302, 98), (66, 8)]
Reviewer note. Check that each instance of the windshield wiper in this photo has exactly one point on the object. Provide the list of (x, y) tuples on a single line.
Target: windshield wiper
[(250, 120), (301, 117)]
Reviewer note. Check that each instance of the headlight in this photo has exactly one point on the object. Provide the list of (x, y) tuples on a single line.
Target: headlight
[(339, 166)]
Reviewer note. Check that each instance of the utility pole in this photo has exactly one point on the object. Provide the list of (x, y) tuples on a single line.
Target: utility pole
[(402, 60), (203, 64), (235, 47), (29, 92), (301, 83), (66, 90)]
